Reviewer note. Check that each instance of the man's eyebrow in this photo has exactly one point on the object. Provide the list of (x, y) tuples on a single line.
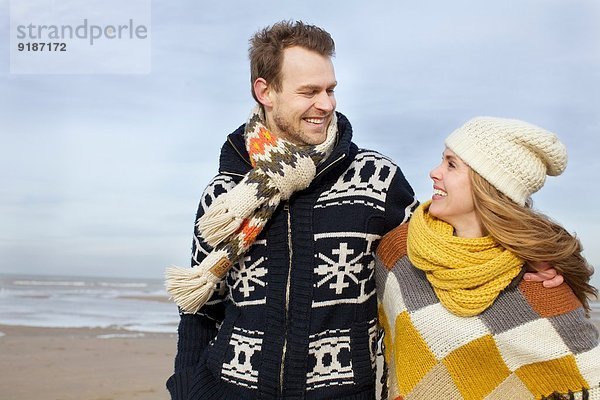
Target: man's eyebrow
[(308, 87), (315, 87)]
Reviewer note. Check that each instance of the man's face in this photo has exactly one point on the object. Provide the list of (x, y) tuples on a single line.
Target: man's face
[(301, 111)]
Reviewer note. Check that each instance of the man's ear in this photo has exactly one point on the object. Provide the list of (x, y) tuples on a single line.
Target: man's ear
[(262, 90)]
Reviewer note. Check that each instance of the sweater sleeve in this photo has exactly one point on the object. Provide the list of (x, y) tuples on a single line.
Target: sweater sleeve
[(195, 331), (391, 249), (400, 202)]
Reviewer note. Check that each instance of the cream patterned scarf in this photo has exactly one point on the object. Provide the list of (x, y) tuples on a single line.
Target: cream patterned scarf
[(467, 274), (235, 219)]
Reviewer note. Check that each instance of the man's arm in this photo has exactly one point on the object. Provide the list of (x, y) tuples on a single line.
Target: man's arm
[(195, 331), (400, 202)]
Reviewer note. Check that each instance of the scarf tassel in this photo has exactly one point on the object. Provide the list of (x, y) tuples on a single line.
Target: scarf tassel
[(218, 223), (191, 288), (189, 291), (223, 218)]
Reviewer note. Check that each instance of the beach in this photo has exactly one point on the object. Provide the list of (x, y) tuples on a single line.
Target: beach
[(67, 338), (84, 364), (82, 338)]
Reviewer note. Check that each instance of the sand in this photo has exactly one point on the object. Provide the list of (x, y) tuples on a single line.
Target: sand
[(78, 364)]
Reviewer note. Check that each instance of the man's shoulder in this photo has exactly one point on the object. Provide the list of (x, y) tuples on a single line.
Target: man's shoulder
[(374, 155), (234, 159), (220, 184)]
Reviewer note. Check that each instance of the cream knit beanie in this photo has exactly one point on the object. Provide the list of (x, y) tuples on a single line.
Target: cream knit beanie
[(512, 155)]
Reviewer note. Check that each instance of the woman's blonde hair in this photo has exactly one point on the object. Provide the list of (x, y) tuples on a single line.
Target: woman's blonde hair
[(532, 236)]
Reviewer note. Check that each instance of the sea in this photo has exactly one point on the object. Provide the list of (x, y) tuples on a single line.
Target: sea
[(136, 305)]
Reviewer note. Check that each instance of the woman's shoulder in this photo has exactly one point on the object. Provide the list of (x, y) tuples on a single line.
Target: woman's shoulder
[(392, 246), (550, 302)]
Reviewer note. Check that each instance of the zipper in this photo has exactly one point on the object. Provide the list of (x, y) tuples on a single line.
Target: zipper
[(239, 153), (232, 173), (286, 207), (330, 165)]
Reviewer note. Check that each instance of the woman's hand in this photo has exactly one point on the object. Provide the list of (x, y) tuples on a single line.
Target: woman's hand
[(543, 272)]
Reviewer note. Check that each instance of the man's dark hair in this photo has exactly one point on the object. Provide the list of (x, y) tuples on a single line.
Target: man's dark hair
[(268, 44)]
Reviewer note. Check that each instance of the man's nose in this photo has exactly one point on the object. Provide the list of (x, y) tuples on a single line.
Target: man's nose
[(325, 101)]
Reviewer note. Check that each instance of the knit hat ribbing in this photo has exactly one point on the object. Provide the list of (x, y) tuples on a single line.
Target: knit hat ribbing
[(512, 155)]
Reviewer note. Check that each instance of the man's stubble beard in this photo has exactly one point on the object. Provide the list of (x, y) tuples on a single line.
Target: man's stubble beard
[(287, 130)]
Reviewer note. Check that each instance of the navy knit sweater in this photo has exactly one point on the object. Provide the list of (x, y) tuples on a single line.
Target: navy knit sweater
[(296, 318)]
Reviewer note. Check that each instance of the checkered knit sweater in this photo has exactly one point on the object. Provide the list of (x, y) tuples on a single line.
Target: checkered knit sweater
[(296, 317), (531, 343)]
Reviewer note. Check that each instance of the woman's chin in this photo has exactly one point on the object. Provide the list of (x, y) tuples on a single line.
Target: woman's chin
[(433, 210)]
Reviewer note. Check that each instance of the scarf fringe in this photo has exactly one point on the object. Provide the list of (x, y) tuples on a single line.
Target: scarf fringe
[(217, 224), (189, 288), (227, 213)]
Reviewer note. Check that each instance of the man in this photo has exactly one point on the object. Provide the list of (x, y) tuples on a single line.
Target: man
[(296, 314)]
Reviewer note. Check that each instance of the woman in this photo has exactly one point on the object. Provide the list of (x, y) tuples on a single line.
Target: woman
[(459, 321)]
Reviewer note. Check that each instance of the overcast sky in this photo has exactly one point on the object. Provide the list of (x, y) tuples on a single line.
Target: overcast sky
[(101, 174)]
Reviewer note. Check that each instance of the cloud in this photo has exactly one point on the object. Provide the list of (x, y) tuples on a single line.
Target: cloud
[(102, 173)]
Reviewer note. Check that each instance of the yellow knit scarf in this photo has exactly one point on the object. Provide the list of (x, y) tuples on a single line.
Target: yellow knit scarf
[(467, 274)]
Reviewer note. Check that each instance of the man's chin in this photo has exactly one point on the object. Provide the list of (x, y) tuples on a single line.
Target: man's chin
[(316, 139), (306, 137), (316, 136)]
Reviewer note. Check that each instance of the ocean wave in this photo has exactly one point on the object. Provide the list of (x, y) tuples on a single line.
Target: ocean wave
[(50, 283), (74, 302), (121, 335), (102, 284), (123, 285)]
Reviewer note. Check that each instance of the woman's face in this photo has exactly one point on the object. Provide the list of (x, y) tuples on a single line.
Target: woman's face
[(452, 199)]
